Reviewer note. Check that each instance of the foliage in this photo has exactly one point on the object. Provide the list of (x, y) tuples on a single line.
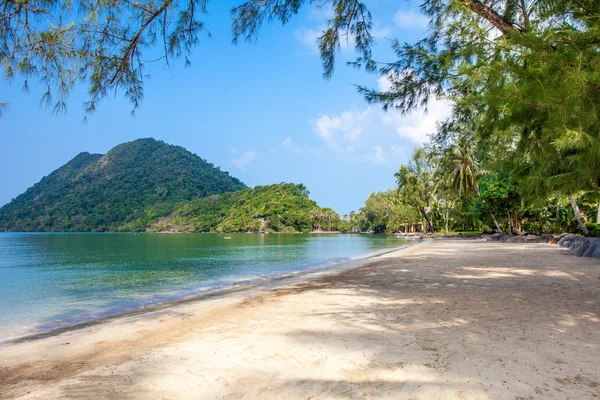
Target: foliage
[(460, 157), (497, 205), (281, 208), (416, 185), (524, 79), (499, 194), (105, 43), (139, 180), (594, 228), (149, 185), (385, 212)]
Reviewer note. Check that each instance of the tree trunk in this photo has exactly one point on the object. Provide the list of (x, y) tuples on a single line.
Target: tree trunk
[(525, 15), (509, 224), (490, 15), (429, 225), (517, 224), (447, 212), (496, 222), (598, 215), (579, 216)]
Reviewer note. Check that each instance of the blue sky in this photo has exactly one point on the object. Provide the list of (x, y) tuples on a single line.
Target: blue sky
[(261, 111)]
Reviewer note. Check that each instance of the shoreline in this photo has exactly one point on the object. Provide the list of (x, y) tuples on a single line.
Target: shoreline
[(449, 319), (213, 293)]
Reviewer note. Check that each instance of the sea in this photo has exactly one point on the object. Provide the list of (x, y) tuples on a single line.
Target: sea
[(55, 281)]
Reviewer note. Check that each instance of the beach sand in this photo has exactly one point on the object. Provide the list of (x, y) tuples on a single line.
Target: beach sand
[(446, 319)]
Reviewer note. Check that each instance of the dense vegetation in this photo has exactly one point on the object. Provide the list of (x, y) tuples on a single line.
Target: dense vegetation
[(521, 151), (281, 208), (431, 196), (147, 185), (143, 179)]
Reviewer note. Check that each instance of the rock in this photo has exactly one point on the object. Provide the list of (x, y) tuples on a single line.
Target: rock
[(579, 247), (568, 239), (558, 238), (496, 237), (594, 245), (515, 239)]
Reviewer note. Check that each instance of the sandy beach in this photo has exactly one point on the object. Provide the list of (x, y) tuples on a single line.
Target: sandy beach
[(444, 319)]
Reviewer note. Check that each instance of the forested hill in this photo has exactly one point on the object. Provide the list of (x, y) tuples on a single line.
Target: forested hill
[(143, 179), (283, 207)]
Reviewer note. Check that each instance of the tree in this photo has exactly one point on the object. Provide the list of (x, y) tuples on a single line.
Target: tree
[(463, 176), (528, 69), (416, 184), (377, 212), (105, 43), (385, 212), (500, 196)]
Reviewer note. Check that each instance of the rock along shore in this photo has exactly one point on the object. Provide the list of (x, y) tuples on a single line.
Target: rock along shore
[(580, 246)]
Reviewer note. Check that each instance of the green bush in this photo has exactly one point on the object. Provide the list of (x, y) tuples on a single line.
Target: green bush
[(594, 228), (532, 227), (486, 229)]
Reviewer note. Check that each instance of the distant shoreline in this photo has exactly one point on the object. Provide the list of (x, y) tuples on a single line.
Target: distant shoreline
[(214, 233)]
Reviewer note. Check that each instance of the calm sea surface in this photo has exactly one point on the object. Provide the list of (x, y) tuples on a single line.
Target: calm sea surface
[(50, 281)]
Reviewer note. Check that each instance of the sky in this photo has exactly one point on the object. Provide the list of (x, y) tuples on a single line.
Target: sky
[(261, 111)]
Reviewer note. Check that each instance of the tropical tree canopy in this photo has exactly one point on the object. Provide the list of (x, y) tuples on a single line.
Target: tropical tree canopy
[(104, 43)]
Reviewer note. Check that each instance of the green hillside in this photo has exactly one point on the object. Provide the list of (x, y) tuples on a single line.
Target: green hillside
[(135, 181), (281, 207)]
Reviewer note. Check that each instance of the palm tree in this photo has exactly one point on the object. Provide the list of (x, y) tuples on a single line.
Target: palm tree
[(463, 177), (318, 217), (416, 184)]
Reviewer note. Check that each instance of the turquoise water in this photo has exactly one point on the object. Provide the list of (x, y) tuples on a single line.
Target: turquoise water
[(50, 281)]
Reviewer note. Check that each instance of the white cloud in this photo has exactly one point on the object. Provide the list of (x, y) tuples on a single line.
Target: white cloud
[(411, 19), (417, 125), (308, 37), (288, 145), (340, 131), (244, 159), (384, 83), (379, 156), (378, 137), (400, 151), (381, 32)]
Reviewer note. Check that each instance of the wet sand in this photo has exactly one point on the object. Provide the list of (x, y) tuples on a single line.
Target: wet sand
[(447, 319)]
